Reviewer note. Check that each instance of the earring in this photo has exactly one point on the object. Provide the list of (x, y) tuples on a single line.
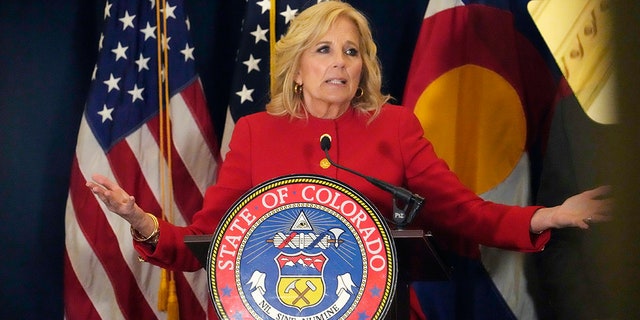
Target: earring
[(297, 88), (359, 93)]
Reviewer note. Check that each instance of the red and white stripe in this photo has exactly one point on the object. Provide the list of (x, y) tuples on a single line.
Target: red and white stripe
[(103, 277)]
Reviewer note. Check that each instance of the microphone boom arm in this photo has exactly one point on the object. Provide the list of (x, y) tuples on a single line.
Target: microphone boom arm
[(405, 203)]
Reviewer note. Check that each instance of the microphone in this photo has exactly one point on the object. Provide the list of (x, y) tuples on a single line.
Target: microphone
[(412, 202)]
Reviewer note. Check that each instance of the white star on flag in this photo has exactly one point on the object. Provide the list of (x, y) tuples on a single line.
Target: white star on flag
[(260, 34), (289, 14), (265, 5), (252, 63), (136, 93), (120, 52), (105, 113), (112, 83), (142, 63), (245, 94), (127, 21), (187, 52), (149, 32)]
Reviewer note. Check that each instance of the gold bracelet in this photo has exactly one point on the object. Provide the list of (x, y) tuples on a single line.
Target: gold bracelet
[(156, 229)]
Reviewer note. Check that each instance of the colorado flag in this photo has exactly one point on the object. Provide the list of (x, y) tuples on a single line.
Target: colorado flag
[(484, 84)]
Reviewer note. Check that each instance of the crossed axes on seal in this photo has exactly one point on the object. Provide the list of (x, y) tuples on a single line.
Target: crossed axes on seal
[(301, 294)]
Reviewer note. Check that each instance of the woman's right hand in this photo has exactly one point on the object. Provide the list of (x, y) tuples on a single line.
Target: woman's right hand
[(120, 202)]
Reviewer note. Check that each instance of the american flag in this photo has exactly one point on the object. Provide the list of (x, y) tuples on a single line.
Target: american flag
[(250, 86), (120, 136)]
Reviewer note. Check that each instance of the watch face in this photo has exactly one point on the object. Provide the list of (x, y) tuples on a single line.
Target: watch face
[(302, 247)]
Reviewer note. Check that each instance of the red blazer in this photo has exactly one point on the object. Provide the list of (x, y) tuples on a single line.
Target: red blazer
[(391, 148)]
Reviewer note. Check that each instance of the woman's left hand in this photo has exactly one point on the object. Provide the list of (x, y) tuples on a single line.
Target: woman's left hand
[(580, 210)]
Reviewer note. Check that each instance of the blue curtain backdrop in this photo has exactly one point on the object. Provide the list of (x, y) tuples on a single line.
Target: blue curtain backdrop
[(47, 53)]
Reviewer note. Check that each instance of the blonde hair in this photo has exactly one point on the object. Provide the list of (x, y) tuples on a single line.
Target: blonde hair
[(305, 30)]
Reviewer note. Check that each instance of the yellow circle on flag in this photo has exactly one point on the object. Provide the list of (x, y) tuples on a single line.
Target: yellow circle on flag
[(476, 122)]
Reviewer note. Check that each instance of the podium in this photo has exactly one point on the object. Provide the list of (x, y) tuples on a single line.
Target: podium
[(303, 229), (418, 260)]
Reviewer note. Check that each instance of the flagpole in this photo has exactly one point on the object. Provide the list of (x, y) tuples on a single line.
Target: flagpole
[(163, 287), (167, 298), (272, 43), (172, 300)]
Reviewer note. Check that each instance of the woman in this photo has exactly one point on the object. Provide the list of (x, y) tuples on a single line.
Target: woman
[(328, 81)]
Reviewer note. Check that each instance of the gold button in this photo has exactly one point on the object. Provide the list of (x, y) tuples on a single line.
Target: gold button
[(324, 163)]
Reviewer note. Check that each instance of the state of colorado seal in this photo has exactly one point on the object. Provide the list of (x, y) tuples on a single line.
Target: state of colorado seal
[(302, 247)]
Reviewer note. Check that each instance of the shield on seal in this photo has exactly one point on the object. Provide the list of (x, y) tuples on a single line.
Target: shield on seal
[(300, 284)]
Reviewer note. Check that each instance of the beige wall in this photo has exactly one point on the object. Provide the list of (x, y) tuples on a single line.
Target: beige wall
[(578, 32)]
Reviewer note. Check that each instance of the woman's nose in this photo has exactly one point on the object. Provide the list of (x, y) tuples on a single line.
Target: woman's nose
[(339, 61)]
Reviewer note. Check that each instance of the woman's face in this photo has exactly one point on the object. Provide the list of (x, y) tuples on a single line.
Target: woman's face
[(330, 70)]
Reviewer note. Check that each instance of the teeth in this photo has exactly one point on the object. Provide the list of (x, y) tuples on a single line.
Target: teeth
[(335, 81)]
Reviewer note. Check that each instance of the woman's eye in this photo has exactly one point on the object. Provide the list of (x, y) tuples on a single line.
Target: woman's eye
[(324, 49), (351, 52)]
